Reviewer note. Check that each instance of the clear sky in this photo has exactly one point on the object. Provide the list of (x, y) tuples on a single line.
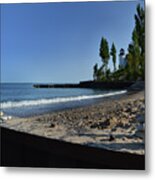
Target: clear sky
[(59, 42)]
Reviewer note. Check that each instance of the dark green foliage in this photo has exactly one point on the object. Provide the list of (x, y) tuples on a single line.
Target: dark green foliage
[(113, 54), (108, 74), (104, 52), (140, 27), (101, 74), (136, 50)]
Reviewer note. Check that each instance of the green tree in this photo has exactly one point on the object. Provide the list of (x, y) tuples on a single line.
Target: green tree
[(108, 74), (140, 27), (100, 74), (140, 30), (113, 54), (104, 52), (136, 49), (95, 71), (134, 56)]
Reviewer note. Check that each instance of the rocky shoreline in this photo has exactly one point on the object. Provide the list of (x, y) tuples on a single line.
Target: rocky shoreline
[(117, 124)]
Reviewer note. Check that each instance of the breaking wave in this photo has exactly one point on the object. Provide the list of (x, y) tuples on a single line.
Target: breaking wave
[(16, 104)]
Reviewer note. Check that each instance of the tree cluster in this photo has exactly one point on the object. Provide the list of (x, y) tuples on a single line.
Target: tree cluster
[(135, 57)]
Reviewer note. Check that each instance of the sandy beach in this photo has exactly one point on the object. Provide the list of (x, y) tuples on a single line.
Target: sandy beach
[(116, 124)]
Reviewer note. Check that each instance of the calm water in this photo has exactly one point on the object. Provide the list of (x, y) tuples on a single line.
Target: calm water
[(21, 99)]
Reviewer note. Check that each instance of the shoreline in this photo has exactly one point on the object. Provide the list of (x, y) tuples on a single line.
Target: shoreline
[(115, 124), (58, 103)]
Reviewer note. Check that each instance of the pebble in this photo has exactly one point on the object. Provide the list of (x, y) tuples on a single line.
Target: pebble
[(52, 125), (140, 118), (101, 125), (140, 134), (111, 138)]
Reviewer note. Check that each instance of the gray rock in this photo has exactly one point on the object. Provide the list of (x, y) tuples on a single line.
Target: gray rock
[(140, 118), (101, 125), (111, 138)]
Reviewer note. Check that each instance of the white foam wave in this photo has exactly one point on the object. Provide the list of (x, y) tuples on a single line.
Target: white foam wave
[(14, 104)]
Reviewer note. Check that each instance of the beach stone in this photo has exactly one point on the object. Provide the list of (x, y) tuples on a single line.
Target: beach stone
[(105, 123), (125, 114), (128, 109), (119, 124), (140, 131), (134, 110), (114, 119), (101, 125), (141, 107), (111, 138), (80, 123), (114, 129), (108, 117), (126, 126), (140, 118), (52, 125), (140, 127), (86, 117), (94, 125)]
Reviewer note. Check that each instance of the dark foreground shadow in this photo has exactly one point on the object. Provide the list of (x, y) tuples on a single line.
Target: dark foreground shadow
[(25, 150)]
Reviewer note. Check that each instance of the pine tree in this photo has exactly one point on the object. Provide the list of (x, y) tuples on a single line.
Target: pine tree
[(104, 52), (136, 49), (140, 27), (140, 30), (113, 54)]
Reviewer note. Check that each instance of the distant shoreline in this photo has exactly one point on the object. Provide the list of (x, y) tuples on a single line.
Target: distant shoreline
[(88, 84)]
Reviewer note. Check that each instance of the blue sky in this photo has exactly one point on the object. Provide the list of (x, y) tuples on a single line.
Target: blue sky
[(59, 42)]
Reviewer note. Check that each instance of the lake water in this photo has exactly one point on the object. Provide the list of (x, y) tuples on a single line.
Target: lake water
[(22, 99)]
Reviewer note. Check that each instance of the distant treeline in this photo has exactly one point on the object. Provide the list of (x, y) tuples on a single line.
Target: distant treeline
[(134, 68)]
